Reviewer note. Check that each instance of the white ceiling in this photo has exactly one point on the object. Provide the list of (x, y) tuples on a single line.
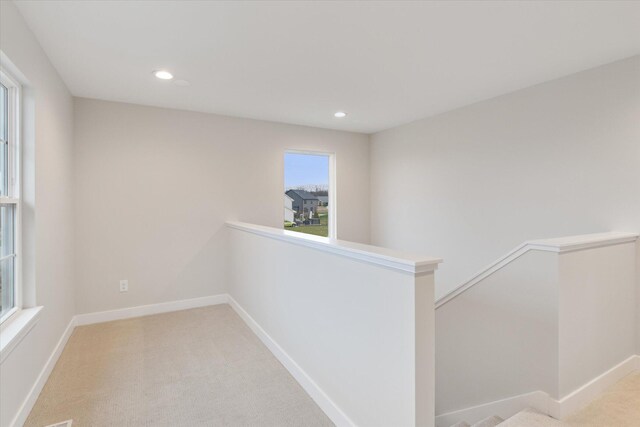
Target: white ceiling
[(386, 63)]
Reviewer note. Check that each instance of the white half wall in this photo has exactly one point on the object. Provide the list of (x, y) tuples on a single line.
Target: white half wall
[(597, 313), (354, 327), (155, 186), (560, 158), (48, 208), (499, 339), (557, 318)]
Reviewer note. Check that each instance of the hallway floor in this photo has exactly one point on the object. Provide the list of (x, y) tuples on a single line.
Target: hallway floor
[(198, 367), (619, 406)]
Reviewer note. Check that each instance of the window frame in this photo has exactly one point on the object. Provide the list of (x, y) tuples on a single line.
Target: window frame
[(13, 197), (333, 223)]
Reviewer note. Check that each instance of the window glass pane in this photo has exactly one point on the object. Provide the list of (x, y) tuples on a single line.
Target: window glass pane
[(306, 198), (7, 258), (4, 117), (7, 239), (4, 136), (4, 168), (7, 297)]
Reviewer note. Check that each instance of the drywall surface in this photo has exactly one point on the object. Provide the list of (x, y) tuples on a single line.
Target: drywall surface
[(499, 339), (560, 158), (597, 312), (48, 214), (362, 333), (546, 321), (155, 186)]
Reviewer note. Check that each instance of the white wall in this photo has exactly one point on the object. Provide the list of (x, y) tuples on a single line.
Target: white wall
[(551, 320), (500, 338), (597, 313), (155, 186), (363, 333), (556, 159), (48, 212)]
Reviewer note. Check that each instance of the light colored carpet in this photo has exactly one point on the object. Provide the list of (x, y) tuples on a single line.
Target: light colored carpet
[(617, 407), (532, 418), (199, 367), (489, 422)]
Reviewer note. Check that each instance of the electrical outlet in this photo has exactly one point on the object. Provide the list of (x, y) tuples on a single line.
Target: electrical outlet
[(124, 286)]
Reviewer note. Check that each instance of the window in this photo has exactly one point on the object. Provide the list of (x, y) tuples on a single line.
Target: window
[(9, 197), (308, 193)]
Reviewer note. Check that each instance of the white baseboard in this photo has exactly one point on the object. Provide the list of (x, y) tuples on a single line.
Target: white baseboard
[(317, 394), (541, 401), (580, 397), (504, 408), (146, 310), (32, 397)]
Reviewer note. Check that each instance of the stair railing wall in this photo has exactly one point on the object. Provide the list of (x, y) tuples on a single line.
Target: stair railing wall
[(549, 317), (354, 324)]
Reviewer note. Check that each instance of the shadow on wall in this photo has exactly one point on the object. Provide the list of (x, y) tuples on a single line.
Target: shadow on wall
[(209, 262)]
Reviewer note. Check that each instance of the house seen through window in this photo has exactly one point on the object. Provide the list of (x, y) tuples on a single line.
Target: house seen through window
[(306, 196)]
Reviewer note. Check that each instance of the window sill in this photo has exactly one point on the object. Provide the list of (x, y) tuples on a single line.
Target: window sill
[(17, 327)]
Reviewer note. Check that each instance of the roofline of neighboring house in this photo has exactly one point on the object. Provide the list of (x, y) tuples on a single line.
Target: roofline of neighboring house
[(302, 197)]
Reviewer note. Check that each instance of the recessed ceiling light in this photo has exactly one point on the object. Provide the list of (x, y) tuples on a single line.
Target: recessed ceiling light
[(163, 75), (340, 114)]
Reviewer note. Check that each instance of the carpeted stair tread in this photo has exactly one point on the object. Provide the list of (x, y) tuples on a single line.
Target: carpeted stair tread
[(532, 418), (489, 422), (461, 424)]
